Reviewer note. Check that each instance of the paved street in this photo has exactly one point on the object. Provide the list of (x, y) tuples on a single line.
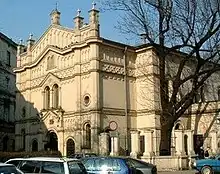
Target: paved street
[(179, 172)]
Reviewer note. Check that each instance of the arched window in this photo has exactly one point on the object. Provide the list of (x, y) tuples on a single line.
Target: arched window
[(47, 97), (24, 112), (70, 147), (5, 143), (87, 141), (34, 146), (218, 93), (23, 134), (55, 96)]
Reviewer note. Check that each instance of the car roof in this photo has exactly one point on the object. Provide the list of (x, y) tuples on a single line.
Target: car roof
[(3, 165), (52, 159), (106, 157)]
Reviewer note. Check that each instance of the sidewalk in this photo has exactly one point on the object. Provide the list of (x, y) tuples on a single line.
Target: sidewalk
[(179, 172)]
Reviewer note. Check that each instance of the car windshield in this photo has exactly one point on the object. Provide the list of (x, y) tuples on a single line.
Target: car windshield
[(53, 167), (76, 168), (100, 164), (136, 163)]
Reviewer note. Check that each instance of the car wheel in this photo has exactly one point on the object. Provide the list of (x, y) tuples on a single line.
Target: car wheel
[(206, 170)]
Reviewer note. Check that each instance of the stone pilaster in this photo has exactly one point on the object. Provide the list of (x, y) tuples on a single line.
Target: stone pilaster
[(148, 140), (190, 145), (179, 142), (114, 146), (214, 143), (104, 144), (135, 143)]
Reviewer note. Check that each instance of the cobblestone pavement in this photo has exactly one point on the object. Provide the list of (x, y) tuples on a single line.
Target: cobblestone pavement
[(179, 172)]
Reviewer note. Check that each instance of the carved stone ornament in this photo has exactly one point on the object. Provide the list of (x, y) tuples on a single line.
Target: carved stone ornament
[(113, 125)]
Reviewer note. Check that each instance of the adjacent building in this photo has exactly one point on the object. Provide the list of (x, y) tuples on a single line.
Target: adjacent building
[(7, 93), (81, 92)]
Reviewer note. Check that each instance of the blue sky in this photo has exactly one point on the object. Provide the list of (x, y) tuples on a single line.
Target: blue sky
[(19, 18)]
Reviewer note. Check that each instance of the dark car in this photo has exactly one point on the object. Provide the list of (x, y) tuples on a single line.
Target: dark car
[(117, 165), (208, 166), (8, 169)]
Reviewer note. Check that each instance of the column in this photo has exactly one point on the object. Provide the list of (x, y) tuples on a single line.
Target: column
[(44, 100), (214, 143), (190, 144), (104, 143), (179, 142), (135, 143), (148, 143), (114, 146), (60, 136), (51, 98), (60, 98)]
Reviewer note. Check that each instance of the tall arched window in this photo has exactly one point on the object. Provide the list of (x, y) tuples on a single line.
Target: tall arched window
[(87, 136), (23, 134), (55, 96), (47, 98), (34, 146), (218, 93)]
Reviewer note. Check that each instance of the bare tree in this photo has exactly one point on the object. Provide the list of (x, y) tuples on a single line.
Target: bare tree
[(189, 27)]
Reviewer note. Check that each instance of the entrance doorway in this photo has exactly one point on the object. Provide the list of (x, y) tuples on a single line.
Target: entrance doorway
[(34, 146), (52, 141), (70, 147), (5, 143)]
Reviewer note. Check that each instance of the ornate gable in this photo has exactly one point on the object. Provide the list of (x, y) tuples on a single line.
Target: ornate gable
[(55, 36), (50, 80)]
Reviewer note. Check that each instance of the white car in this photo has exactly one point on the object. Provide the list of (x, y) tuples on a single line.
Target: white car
[(48, 165), (9, 169)]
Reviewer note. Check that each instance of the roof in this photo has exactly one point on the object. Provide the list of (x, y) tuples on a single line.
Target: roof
[(3, 165), (9, 41)]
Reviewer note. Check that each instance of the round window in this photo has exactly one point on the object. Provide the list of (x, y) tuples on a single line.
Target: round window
[(86, 100)]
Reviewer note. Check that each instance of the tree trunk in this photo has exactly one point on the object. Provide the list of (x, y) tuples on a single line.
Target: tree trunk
[(165, 143)]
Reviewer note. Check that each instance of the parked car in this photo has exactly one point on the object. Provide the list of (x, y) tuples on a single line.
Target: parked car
[(48, 165), (9, 169), (208, 166), (82, 155), (117, 165)]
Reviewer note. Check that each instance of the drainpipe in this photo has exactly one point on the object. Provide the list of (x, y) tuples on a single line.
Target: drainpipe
[(126, 97)]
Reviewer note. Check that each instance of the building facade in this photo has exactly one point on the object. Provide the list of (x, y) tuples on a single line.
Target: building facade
[(8, 50), (81, 92)]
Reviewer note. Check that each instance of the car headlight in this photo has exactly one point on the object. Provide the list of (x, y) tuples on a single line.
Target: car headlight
[(194, 164)]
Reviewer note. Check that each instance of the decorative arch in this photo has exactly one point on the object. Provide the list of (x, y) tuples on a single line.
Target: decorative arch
[(55, 89), (178, 126), (34, 145), (47, 97), (70, 146)]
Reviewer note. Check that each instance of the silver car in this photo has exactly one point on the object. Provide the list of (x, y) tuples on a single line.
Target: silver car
[(48, 165)]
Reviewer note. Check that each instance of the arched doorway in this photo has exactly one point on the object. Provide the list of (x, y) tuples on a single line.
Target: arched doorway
[(34, 146), (52, 141), (5, 143), (70, 147)]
